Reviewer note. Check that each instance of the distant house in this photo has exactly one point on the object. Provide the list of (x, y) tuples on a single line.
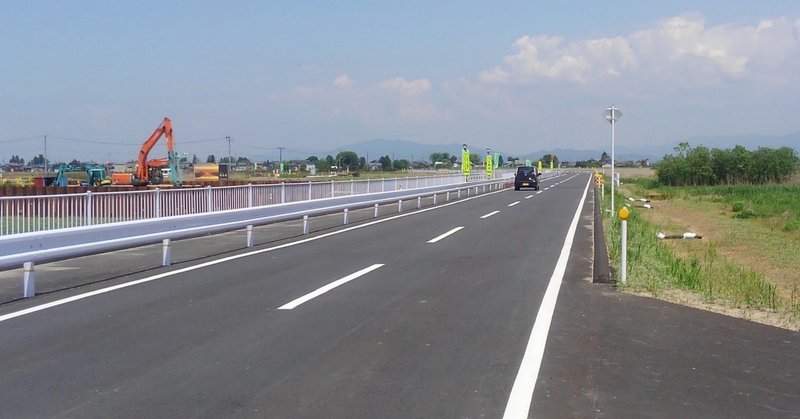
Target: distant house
[(375, 166)]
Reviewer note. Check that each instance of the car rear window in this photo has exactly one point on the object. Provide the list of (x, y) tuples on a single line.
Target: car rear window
[(524, 171)]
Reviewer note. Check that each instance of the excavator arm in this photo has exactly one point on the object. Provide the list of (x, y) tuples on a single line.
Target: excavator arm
[(164, 129), (143, 168)]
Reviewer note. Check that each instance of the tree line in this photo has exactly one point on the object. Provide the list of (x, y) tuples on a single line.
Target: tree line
[(701, 166)]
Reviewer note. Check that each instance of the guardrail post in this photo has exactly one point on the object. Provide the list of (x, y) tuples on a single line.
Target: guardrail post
[(249, 195), (309, 190), (345, 216), (158, 203), (208, 198), (476, 190), (89, 208), (166, 253), (250, 235), (376, 211), (305, 224), (434, 199), (368, 191), (383, 185), (283, 193), (333, 189), (400, 205), (484, 188), (447, 197), (419, 202), (29, 280), (352, 187)]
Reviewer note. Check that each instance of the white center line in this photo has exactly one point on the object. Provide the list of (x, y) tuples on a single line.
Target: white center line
[(326, 288), (537, 193), (513, 203), (529, 197), (489, 214), (434, 240)]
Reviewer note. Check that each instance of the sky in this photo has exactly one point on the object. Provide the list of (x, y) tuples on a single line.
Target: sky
[(97, 77)]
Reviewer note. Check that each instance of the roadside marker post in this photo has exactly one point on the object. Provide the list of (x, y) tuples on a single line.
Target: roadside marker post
[(29, 280), (623, 254), (166, 253)]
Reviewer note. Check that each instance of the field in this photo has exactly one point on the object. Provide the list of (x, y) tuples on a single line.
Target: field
[(745, 263)]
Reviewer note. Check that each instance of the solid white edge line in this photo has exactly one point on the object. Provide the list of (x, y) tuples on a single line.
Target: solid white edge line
[(519, 401), (436, 239), (489, 214), (57, 303), (513, 203), (322, 290)]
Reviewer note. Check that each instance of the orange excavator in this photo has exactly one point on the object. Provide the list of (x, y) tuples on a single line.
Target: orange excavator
[(150, 171)]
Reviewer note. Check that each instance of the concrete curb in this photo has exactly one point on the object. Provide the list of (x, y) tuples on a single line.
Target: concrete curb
[(601, 268)]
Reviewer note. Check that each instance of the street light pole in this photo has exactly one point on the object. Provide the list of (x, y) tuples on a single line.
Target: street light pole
[(229, 155), (612, 114)]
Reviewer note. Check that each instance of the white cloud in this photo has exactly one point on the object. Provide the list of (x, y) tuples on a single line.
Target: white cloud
[(681, 46), (544, 57), (343, 81), (405, 87)]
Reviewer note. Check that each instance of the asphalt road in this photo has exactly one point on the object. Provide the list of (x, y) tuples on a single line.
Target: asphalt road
[(431, 316)]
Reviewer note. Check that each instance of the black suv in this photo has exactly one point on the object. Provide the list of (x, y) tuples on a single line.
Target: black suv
[(526, 177)]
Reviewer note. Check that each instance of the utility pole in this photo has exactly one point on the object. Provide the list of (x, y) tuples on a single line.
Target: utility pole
[(230, 159), (45, 154)]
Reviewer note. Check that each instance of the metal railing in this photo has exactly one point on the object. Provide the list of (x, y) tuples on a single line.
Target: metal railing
[(28, 249), (25, 214)]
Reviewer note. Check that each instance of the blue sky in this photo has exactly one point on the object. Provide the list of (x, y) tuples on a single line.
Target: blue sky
[(97, 77)]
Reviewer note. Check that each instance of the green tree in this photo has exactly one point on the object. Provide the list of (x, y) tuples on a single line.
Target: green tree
[(195, 160), (211, 159), (386, 162), (348, 159), (401, 164), (475, 159), (547, 158)]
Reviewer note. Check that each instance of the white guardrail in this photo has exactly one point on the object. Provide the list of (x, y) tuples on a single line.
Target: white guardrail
[(26, 249), (24, 214)]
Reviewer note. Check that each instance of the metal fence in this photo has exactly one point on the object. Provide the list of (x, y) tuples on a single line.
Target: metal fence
[(24, 214)]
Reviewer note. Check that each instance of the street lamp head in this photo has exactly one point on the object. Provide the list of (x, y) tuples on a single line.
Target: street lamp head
[(612, 114)]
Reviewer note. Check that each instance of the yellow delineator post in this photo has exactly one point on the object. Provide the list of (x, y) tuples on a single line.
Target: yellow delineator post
[(539, 166), (623, 254), (465, 163)]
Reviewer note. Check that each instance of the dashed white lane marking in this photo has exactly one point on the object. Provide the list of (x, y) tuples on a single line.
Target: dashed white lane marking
[(490, 214), (513, 203), (436, 239), (322, 290)]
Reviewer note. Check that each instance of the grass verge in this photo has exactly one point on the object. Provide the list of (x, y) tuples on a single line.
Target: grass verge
[(708, 268)]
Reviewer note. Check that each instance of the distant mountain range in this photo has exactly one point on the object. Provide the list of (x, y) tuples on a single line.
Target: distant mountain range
[(405, 149)]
